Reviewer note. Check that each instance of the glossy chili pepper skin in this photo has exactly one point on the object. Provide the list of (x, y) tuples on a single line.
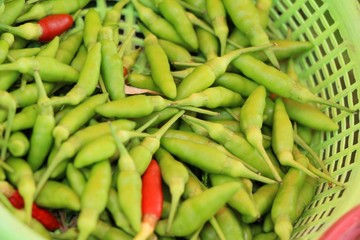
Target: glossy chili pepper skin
[(41, 139), (175, 13), (127, 107), (204, 75), (193, 213), (287, 195), (77, 117), (263, 198), (157, 25), (44, 30), (242, 200), (111, 65), (18, 144), (94, 198), (69, 148), (57, 195), (251, 121), (210, 160), (50, 69), (12, 10), (86, 82), (152, 200), (175, 175), (44, 216)]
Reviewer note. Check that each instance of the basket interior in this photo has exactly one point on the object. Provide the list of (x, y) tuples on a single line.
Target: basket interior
[(331, 70)]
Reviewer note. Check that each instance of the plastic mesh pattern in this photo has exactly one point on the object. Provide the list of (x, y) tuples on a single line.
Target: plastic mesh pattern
[(329, 71)]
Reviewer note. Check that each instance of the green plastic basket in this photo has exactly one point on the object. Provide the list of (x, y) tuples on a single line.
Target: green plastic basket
[(332, 70)]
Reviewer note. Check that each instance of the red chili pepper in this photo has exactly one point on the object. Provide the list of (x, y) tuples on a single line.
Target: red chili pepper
[(54, 25), (42, 215), (125, 71), (152, 200), (44, 30)]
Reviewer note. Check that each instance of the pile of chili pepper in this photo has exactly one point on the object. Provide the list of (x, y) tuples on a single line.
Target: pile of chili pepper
[(163, 119)]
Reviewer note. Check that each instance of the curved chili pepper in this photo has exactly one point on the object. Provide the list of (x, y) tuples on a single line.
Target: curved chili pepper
[(44, 216), (152, 200), (44, 30)]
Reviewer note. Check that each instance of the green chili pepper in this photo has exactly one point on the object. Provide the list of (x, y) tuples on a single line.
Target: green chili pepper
[(251, 121), (245, 17), (143, 153), (229, 223), (79, 59), (157, 25), (159, 65), (236, 83), (285, 49), (41, 139), (111, 64), (75, 178), (44, 8), (24, 119), (212, 97), (112, 18), (282, 138), (267, 224), (234, 143), (285, 86), (129, 186), (176, 53), (57, 195), (6, 40), (15, 54), (141, 81), (103, 148), (113, 206), (12, 11), (208, 44), (242, 200), (50, 69), (92, 26), (263, 8), (8, 78), (175, 175), (208, 232), (265, 236), (217, 14), (263, 198), (18, 144), (198, 5), (174, 12), (309, 115), (87, 80), (204, 75), (68, 47), (98, 185), (77, 117), (287, 195), (9, 103), (132, 106), (28, 95), (69, 148), (307, 194), (105, 231), (23, 179), (193, 213), (209, 159)]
